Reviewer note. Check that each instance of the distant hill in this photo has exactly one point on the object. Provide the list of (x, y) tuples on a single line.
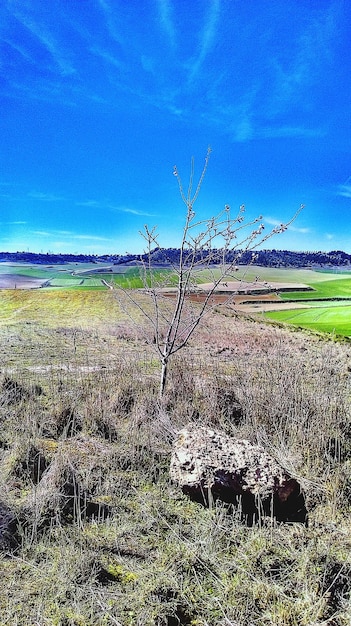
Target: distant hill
[(168, 256)]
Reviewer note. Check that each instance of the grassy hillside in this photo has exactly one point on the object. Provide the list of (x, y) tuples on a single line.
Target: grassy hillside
[(55, 307), (103, 536)]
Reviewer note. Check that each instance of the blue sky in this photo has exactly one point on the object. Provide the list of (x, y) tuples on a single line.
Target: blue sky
[(101, 98)]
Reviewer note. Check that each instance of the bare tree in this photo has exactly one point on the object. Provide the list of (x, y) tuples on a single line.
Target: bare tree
[(214, 245)]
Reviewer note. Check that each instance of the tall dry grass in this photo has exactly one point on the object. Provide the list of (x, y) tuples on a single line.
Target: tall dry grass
[(93, 530)]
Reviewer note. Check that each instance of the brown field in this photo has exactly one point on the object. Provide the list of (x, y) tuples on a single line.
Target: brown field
[(17, 281), (240, 286), (248, 297)]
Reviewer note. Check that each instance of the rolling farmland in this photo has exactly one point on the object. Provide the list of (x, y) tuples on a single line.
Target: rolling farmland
[(325, 305)]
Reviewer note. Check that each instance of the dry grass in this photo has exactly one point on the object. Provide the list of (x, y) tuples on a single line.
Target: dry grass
[(94, 532)]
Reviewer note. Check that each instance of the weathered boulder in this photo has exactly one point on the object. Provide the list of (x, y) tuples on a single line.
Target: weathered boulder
[(209, 466)]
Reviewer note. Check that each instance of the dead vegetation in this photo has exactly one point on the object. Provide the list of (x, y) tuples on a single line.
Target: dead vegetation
[(93, 532)]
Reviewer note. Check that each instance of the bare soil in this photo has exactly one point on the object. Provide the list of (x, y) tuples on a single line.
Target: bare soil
[(17, 281), (248, 297)]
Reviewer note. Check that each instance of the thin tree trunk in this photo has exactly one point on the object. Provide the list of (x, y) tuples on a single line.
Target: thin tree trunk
[(163, 378)]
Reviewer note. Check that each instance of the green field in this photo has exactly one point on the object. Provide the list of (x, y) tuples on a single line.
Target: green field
[(322, 313), (248, 273), (329, 319), (337, 287), (84, 275)]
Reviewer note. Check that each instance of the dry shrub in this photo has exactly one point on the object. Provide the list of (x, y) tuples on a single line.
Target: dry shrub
[(68, 423), (12, 391), (8, 528), (66, 489), (127, 331), (31, 465)]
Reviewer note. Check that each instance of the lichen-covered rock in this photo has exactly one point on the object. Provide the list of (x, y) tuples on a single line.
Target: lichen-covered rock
[(209, 465)]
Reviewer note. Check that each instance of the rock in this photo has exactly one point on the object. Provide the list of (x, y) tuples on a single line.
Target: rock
[(209, 466)]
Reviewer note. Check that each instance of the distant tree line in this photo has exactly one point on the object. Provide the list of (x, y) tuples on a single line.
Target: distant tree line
[(168, 256), (266, 258)]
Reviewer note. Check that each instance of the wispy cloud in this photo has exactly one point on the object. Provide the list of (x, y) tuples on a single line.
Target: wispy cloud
[(106, 56), (243, 126), (69, 95), (243, 129), (90, 204), (41, 233), (206, 39), (278, 84), (45, 197), (19, 48), (91, 238), (305, 67), (47, 40), (22, 195), (109, 14), (68, 235), (165, 10), (237, 119), (345, 189), (148, 64), (290, 131), (296, 229), (103, 205), (243, 123), (124, 209), (162, 98), (209, 32), (274, 222), (37, 90)]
